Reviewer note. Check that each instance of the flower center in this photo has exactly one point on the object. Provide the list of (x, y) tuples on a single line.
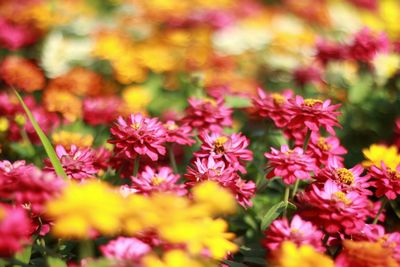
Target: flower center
[(341, 197), (310, 102), (345, 176), (157, 180), (278, 99), (171, 126), (136, 125), (323, 145), (219, 144), (393, 174), (211, 101)]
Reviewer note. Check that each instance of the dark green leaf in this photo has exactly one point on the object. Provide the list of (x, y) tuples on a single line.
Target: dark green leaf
[(272, 214)]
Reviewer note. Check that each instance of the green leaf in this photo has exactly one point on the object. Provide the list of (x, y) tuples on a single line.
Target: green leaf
[(255, 260), (237, 101), (43, 138), (361, 89), (25, 255), (234, 264), (56, 262), (272, 214)]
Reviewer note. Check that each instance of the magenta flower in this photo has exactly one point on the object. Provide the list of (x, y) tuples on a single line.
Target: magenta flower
[(313, 114), (326, 149), (307, 75), (101, 110), (298, 231), (366, 45), (15, 230), (334, 210), (179, 134), (386, 180), (232, 149), (273, 106), (78, 163), (289, 164), (329, 51), (138, 136), (160, 180), (27, 185), (208, 114), (14, 36), (208, 169), (126, 250)]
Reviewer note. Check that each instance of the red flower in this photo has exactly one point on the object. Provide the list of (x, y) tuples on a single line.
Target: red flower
[(232, 149), (312, 114), (178, 134), (307, 75), (15, 229), (273, 106), (334, 210), (78, 163), (327, 51), (28, 186), (138, 136), (101, 110), (289, 164), (386, 180), (326, 149), (208, 114), (298, 231)]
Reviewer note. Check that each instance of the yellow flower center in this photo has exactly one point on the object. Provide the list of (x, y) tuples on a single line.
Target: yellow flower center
[(4, 124), (157, 180), (171, 126), (310, 102), (393, 174), (136, 125), (219, 144), (345, 176), (341, 197), (278, 99), (211, 101), (323, 145)]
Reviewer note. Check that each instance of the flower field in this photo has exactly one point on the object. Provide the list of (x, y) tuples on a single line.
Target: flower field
[(191, 133)]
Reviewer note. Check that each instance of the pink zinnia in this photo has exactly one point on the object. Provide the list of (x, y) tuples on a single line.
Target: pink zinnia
[(160, 180), (208, 169), (334, 210), (289, 164), (298, 231), (127, 250), (366, 45), (273, 106), (138, 136), (14, 36), (15, 229), (307, 75), (78, 163), (386, 180), (329, 51), (27, 185), (101, 110), (326, 149), (208, 114), (181, 135), (313, 114), (232, 149)]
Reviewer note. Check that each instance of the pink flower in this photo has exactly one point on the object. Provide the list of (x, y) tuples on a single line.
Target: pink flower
[(15, 228), (289, 164), (313, 114), (386, 180), (347, 179), (208, 169), (366, 45), (208, 114), (179, 134), (326, 149), (101, 110), (28, 186), (128, 250), (101, 158), (232, 149), (334, 210), (138, 136), (307, 75), (371, 5), (14, 36), (298, 231), (78, 163), (327, 51), (162, 180), (273, 106)]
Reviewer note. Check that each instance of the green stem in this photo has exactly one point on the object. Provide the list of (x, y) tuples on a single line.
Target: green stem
[(384, 201), (136, 166), (306, 141), (296, 186), (86, 249), (172, 158), (286, 200)]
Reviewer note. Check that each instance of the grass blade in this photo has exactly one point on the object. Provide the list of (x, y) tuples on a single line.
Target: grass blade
[(43, 138)]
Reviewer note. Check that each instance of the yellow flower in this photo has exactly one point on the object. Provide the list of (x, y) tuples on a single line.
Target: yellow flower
[(157, 58), (136, 98), (82, 208), (289, 255), (375, 154), (67, 139), (4, 124), (174, 258)]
